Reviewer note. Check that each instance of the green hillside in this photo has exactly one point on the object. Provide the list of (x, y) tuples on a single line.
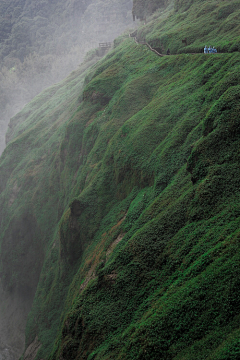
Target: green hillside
[(120, 215), (215, 23)]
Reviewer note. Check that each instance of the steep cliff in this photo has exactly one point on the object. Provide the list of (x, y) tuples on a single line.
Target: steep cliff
[(120, 199)]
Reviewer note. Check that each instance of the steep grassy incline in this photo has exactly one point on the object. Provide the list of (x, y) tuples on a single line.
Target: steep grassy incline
[(215, 23), (159, 197), (31, 202), (120, 207)]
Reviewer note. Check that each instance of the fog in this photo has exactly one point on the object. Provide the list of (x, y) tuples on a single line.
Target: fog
[(6, 354), (43, 42), (40, 44)]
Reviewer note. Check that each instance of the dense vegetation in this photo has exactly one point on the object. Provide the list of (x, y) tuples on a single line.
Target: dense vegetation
[(193, 24), (120, 198)]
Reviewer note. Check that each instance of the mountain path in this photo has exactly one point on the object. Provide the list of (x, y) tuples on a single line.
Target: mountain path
[(152, 49), (145, 43)]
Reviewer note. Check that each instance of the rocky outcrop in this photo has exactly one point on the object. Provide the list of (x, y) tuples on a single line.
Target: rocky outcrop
[(32, 350)]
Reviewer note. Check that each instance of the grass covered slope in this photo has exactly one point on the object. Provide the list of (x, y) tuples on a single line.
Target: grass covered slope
[(163, 247), (160, 278), (31, 202), (121, 186), (215, 23)]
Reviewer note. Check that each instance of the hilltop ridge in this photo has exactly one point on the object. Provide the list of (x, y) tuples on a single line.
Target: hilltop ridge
[(119, 198)]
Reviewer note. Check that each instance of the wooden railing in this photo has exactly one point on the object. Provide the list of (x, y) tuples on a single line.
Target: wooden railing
[(105, 45)]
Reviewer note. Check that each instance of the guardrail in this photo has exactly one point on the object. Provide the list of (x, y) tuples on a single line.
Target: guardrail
[(105, 45)]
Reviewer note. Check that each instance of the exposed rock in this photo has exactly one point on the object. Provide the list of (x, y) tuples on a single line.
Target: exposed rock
[(14, 194), (114, 244), (32, 350)]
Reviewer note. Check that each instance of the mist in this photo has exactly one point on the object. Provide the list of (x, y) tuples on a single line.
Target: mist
[(43, 42), (40, 44)]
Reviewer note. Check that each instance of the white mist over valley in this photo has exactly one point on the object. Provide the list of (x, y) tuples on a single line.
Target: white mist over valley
[(42, 42)]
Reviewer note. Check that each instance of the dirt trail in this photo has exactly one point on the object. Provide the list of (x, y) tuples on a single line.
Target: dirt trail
[(132, 35), (145, 43)]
